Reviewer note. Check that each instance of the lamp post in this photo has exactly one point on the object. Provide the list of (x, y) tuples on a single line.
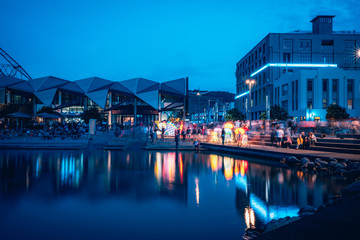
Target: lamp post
[(198, 114), (250, 82)]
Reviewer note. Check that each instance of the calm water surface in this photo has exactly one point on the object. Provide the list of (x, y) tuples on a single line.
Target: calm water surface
[(149, 195)]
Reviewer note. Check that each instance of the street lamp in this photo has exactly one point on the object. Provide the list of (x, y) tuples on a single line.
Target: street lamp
[(250, 82)]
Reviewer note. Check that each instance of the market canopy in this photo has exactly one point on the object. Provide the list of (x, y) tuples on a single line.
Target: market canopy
[(19, 115), (49, 115)]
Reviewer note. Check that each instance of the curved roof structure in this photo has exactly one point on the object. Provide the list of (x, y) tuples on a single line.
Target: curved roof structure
[(97, 89)]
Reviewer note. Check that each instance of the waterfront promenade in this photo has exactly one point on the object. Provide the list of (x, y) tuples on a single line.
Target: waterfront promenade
[(108, 141)]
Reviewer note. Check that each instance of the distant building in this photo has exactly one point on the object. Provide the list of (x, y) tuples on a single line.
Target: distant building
[(209, 106), (302, 71)]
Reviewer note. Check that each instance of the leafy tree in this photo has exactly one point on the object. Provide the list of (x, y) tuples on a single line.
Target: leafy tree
[(6, 109), (335, 111), (234, 114), (276, 112), (92, 113), (263, 116), (46, 109)]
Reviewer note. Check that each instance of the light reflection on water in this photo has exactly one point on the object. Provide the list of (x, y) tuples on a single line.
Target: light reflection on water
[(114, 194)]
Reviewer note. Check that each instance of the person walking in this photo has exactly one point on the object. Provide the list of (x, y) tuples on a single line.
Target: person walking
[(177, 139), (162, 134), (279, 136), (223, 136)]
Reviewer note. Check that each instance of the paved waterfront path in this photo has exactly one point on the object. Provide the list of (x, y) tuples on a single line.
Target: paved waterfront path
[(276, 153)]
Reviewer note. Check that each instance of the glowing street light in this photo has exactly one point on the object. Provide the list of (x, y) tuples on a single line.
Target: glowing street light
[(250, 82)]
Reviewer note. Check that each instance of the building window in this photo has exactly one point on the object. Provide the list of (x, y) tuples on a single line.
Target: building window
[(305, 45), (309, 94), (305, 57), (284, 104), (286, 57), (324, 103), (335, 92), (328, 57), (349, 45), (327, 42), (325, 93), (309, 85), (350, 85), (284, 90), (309, 104), (325, 85), (292, 95), (349, 58), (350, 93), (297, 94), (264, 48), (287, 44)]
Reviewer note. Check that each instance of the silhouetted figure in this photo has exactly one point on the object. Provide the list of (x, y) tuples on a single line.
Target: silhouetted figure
[(177, 139), (223, 136)]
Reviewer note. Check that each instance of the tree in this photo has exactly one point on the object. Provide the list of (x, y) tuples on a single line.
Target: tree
[(6, 109), (335, 111), (46, 109), (234, 114), (276, 112), (92, 113)]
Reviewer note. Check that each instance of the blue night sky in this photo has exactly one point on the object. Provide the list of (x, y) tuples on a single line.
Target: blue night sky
[(157, 40)]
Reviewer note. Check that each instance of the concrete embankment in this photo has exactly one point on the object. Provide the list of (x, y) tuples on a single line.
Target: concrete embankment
[(340, 220), (273, 153)]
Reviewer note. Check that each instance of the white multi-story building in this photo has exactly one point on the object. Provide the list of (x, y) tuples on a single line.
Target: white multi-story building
[(302, 71)]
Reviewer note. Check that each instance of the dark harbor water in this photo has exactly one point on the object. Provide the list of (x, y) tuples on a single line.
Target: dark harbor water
[(147, 195)]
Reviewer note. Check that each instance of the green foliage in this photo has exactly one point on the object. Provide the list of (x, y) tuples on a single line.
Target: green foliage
[(263, 116), (46, 109), (234, 114), (276, 112), (335, 111), (6, 109), (92, 113)]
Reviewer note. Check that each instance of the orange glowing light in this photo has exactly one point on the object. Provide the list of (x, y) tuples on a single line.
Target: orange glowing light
[(181, 166), (181, 125), (243, 167), (229, 125), (214, 162), (228, 168)]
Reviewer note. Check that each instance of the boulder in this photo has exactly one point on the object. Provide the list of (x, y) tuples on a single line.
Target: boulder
[(352, 174), (340, 166), (321, 168), (332, 164), (319, 162), (304, 160), (293, 161), (353, 188), (353, 166), (307, 209), (311, 164)]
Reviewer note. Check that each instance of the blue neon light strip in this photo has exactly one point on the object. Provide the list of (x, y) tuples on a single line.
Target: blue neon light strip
[(292, 65), (243, 94)]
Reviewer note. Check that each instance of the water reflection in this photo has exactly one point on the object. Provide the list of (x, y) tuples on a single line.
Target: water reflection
[(157, 179)]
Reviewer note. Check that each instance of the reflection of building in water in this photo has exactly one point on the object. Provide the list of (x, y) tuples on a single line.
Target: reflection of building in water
[(275, 193), (148, 175), (70, 171)]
